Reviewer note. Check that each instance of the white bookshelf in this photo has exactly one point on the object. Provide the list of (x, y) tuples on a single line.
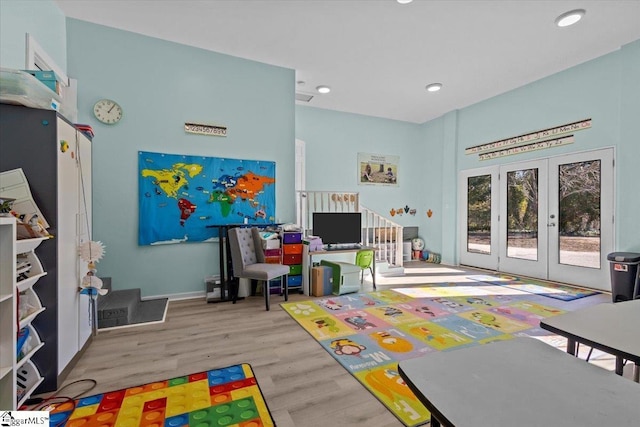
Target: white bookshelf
[(8, 326), (28, 377), (19, 306)]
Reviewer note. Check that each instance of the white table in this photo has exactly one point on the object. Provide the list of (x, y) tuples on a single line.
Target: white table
[(520, 382), (611, 327)]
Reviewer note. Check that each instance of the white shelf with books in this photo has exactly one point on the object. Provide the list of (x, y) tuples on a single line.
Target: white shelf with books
[(28, 245), (20, 269), (27, 380), (32, 343), (29, 306), (28, 270)]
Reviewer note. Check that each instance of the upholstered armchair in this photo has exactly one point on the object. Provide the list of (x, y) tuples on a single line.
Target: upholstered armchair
[(248, 260)]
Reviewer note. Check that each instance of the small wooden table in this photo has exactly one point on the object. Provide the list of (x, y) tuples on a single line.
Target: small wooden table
[(519, 382), (610, 327)]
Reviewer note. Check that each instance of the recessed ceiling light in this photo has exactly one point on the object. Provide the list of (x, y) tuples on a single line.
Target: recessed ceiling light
[(404, 1), (434, 87), (323, 89), (570, 18)]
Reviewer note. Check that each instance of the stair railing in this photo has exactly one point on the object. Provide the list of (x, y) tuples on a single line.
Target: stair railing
[(383, 234), (377, 231)]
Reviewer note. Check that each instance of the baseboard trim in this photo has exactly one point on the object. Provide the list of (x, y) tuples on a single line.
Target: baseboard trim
[(72, 363), (177, 297)]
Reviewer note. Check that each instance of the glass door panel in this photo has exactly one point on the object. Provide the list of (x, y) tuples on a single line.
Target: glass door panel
[(581, 218), (478, 216), (522, 214), (523, 232)]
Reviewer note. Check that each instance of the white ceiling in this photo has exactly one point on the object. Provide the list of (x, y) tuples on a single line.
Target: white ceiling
[(378, 55)]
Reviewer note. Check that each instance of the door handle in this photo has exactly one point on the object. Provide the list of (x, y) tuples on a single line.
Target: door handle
[(551, 224)]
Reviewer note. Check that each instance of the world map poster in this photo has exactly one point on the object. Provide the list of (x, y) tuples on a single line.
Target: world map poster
[(183, 198)]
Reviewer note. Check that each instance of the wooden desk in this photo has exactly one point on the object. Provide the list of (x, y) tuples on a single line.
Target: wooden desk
[(612, 328), (307, 263), (519, 382)]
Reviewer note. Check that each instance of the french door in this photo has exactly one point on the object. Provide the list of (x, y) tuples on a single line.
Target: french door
[(550, 218)]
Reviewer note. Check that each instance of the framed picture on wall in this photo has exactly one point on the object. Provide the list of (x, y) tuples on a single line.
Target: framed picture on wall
[(378, 169)]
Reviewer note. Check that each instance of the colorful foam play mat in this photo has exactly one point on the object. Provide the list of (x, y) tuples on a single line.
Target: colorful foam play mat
[(220, 397), (369, 333), (538, 287)]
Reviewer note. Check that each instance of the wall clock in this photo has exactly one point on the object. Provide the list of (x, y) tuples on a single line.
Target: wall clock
[(107, 111)]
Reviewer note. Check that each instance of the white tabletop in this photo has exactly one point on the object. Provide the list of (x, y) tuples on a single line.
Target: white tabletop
[(520, 382), (339, 249), (614, 328)]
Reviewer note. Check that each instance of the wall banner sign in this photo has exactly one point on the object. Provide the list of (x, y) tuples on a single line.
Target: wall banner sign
[(530, 137), (200, 129), (542, 145)]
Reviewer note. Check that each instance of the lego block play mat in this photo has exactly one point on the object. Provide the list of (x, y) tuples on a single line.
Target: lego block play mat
[(369, 333), (220, 397)]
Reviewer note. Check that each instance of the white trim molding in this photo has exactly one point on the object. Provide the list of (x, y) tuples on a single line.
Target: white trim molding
[(37, 58)]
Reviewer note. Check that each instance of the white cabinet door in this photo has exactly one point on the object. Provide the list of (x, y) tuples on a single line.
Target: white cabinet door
[(68, 283), (84, 233)]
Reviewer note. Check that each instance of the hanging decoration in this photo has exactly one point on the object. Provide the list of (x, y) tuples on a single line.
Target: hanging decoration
[(203, 129), (183, 198), (534, 146), (91, 252), (531, 137)]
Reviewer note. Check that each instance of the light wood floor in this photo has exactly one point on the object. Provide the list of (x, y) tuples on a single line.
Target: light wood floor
[(303, 385)]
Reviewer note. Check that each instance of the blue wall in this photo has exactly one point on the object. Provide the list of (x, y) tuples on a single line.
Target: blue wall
[(606, 89), (628, 151), (333, 141), (160, 86), (43, 20)]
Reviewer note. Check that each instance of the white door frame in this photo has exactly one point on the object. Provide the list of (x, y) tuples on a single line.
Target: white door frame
[(537, 264), (300, 179), (596, 278), (471, 257)]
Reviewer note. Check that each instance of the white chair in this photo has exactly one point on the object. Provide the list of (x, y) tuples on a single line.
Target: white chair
[(248, 260)]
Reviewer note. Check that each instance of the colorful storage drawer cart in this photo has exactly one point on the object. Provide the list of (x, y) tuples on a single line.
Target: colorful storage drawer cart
[(292, 256), (274, 256)]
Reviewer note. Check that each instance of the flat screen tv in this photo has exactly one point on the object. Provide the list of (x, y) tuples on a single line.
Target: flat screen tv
[(335, 228)]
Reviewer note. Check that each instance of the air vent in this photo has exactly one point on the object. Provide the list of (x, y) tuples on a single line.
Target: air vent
[(303, 97)]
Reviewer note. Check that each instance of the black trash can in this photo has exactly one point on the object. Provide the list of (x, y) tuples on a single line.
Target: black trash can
[(624, 275)]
